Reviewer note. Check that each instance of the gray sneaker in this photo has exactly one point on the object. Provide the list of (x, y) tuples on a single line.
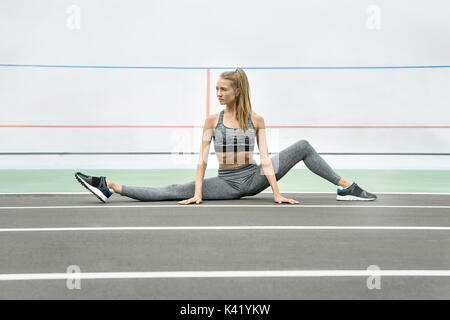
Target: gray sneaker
[(354, 192), (96, 185)]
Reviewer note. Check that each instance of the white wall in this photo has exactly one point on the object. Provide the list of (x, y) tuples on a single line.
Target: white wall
[(213, 34)]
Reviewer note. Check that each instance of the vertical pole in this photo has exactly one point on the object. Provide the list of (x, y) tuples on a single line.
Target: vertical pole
[(208, 78)]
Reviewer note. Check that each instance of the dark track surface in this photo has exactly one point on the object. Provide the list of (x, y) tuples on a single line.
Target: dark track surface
[(225, 250)]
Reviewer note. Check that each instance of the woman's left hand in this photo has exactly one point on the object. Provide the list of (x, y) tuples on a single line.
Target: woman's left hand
[(281, 199)]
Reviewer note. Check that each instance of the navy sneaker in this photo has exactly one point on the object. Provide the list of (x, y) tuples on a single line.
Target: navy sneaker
[(354, 192), (96, 185)]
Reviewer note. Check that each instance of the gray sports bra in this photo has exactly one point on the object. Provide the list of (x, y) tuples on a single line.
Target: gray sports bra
[(233, 140)]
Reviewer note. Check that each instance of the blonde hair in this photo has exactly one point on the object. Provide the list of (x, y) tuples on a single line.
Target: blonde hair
[(239, 80)]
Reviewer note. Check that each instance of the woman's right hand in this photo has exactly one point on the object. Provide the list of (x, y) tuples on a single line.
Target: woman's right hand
[(194, 199)]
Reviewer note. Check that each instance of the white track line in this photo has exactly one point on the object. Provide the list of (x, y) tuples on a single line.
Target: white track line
[(42, 193), (284, 205), (266, 192), (376, 192), (208, 228), (226, 274)]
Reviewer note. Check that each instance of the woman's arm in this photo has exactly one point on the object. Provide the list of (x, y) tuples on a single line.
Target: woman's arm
[(266, 163), (204, 153), (202, 163)]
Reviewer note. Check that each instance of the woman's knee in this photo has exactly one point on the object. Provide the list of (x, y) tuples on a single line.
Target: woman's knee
[(302, 144)]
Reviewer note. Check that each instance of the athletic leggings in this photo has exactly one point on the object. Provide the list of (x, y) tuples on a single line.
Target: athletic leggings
[(239, 182)]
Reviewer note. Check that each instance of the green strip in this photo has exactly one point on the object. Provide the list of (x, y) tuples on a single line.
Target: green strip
[(296, 180)]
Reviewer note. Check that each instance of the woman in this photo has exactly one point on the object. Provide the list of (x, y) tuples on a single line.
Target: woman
[(233, 130)]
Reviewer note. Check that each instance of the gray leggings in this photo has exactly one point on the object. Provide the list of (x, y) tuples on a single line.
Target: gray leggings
[(239, 182)]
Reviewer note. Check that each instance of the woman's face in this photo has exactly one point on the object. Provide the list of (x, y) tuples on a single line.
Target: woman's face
[(225, 92)]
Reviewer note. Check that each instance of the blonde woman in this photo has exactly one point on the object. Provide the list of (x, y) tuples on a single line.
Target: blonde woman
[(234, 131)]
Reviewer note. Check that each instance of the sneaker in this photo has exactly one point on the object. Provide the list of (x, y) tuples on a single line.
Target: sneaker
[(354, 192), (96, 185)]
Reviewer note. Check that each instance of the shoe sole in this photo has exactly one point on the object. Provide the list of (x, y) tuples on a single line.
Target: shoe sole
[(353, 198), (92, 189)]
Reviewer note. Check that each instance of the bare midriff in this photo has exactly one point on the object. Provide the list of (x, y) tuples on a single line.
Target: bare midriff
[(234, 159)]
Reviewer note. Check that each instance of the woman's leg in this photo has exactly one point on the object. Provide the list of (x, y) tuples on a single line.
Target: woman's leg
[(287, 158), (212, 189)]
